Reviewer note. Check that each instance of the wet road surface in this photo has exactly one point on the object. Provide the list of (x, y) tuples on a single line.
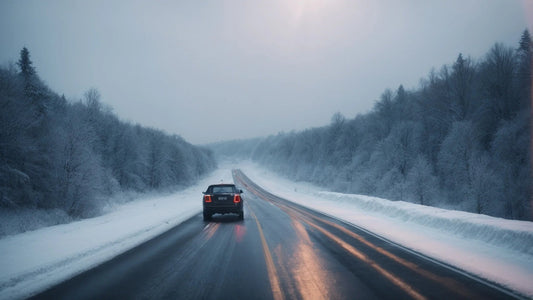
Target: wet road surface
[(280, 251)]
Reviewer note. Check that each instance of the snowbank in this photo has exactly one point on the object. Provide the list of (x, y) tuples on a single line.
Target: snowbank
[(515, 235), (35, 260), (496, 249)]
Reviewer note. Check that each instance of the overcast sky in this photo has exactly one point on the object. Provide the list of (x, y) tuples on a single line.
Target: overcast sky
[(212, 70)]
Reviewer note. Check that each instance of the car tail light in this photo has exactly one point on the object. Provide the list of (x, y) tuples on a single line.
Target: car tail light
[(237, 199), (207, 198)]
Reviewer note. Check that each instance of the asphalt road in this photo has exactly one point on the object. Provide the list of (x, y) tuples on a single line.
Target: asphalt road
[(280, 251)]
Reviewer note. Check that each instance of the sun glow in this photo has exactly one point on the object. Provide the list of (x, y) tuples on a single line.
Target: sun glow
[(302, 10)]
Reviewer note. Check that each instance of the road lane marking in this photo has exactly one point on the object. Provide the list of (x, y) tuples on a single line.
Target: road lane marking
[(210, 230), (360, 255), (395, 280), (271, 269), (449, 283), (309, 278)]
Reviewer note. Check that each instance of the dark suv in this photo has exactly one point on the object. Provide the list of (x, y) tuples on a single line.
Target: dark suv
[(222, 199)]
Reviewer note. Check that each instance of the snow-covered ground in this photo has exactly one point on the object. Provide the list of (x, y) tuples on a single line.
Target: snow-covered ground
[(499, 250)]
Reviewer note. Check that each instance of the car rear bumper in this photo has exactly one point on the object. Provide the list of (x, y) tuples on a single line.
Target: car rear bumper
[(222, 209)]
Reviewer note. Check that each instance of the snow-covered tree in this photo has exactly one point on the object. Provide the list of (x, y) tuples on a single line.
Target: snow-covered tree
[(56, 153), (421, 183), (462, 140)]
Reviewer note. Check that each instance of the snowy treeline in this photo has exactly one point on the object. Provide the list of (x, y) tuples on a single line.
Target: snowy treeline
[(69, 155), (461, 140)]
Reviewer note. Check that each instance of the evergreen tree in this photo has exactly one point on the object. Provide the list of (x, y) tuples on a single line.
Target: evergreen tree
[(461, 86), (25, 64), (525, 42), (401, 107), (29, 76), (525, 61)]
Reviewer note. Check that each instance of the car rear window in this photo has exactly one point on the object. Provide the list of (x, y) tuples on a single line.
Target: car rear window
[(223, 189)]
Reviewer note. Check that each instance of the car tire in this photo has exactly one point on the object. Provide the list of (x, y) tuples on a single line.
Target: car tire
[(207, 216), (241, 215)]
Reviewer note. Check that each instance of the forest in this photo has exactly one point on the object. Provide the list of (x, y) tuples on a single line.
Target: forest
[(461, 140), (73, 155)]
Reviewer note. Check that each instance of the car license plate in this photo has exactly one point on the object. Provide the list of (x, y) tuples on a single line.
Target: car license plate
[(222, 198)]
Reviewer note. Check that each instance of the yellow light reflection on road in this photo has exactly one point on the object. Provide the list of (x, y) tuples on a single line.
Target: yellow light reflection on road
[(311, 278), (396, 280), (448, 282)]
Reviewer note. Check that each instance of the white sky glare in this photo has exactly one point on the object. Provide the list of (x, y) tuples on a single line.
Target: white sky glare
[(215, 70)]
